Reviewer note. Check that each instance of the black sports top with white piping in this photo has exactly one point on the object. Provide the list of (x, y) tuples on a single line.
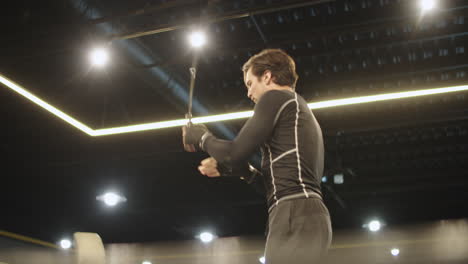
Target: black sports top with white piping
[(291, 142)]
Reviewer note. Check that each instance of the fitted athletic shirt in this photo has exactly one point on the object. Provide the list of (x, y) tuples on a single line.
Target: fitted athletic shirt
[(290, 138)]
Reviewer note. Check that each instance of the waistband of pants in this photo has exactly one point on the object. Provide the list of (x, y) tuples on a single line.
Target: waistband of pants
[(308, 194)]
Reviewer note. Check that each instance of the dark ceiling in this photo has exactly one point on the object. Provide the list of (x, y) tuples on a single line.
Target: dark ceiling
[(402, 160)]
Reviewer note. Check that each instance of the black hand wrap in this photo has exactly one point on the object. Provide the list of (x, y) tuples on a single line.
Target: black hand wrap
[(195, 135), (246, 172)]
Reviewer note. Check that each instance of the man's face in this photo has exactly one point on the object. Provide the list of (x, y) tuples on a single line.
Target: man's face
[(256, 87)]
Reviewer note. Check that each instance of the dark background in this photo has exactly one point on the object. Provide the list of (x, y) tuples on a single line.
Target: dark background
[(403, 161)]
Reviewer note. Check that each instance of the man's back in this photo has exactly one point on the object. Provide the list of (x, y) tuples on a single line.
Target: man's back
[(293, 154)]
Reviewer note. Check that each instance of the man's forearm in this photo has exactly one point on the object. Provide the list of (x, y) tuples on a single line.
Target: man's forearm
[(245, 172)]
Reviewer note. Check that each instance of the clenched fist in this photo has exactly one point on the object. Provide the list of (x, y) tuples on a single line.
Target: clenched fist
[(191, 136), (209, 167)]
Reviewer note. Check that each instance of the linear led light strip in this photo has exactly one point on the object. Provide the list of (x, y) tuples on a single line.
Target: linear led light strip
[(57, 112), (215, 118)]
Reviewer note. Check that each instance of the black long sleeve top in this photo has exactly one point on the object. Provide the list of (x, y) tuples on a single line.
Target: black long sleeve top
[(291, 142)]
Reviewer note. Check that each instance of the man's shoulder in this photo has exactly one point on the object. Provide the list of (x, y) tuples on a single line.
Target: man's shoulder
[(278, 96)]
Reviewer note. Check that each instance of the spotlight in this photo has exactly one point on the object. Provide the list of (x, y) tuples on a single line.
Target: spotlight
[(427, 5), (111, 199), (197, 39), (206, 237), (374, 225), (65, 244), (395, 251), (99, 57)]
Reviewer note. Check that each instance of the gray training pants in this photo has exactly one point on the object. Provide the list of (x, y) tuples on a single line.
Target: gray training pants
[(299, 232)]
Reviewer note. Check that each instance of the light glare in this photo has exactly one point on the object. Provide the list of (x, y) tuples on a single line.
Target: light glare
[(99, 57), (374, 226), (427, 5), (395, 252), (206, 237), (214, 118), (262, 259), (111, 199), (65, 244), (197, 39), (146, 262)]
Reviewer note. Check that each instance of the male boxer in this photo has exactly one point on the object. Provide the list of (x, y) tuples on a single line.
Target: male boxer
[(299, 228)]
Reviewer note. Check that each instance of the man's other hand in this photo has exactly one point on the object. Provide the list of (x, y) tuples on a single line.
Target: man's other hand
[(209, 167)]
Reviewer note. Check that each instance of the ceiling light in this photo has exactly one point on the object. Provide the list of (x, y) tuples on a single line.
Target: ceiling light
[(99, 57), (427, 5), (215, 118), (65, 244), (206, 237), (58, 113), (374, 225), (111, 199), (197, 39), (395, 252), (246, 114)]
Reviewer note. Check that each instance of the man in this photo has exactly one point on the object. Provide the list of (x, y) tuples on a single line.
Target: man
[(299, 229)]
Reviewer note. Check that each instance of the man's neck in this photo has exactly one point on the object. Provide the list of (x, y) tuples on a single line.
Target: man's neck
[(287, 88)]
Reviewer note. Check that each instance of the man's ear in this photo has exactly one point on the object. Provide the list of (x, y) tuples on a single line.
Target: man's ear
[(267, 77)]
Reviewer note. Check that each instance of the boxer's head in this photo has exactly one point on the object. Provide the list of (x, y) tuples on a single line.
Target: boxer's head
[(269, 69)]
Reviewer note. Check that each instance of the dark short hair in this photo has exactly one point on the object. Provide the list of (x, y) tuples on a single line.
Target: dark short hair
[(278, 62)]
